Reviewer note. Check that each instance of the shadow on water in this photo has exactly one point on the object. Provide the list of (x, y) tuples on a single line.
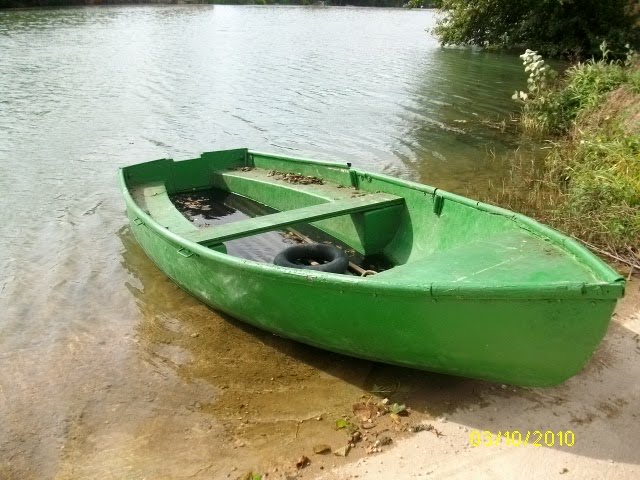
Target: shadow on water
[(272, 391)]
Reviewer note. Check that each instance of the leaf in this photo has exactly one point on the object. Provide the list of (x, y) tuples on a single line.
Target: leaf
[(251, 476), (342, 423), (398, 409), (367, 410), (383, 389)]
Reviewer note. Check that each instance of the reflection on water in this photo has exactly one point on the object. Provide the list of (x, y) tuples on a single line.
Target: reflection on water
[(457, 121), (103, 360)]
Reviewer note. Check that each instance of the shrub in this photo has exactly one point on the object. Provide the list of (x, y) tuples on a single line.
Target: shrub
[(593, 169), (552, 27), (553, 107)]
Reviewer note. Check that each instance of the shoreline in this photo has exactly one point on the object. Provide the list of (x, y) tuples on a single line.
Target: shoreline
[(597, 405)]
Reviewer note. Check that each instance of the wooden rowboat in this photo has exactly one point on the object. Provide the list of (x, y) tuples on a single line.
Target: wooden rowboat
[(471, 289)]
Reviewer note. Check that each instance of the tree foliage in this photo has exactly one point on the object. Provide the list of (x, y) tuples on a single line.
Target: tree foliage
[(553, 27), (423, 4)]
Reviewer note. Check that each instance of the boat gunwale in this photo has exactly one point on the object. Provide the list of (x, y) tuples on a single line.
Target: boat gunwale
[(527, 223), (611, 287)]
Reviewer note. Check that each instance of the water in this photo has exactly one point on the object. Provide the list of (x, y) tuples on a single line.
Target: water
[(108, 369)]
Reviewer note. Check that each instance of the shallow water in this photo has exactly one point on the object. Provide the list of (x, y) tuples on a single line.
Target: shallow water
[(108, 369)]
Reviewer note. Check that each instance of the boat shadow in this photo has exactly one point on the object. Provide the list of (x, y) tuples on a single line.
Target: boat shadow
[(598, 406), (275, 381)]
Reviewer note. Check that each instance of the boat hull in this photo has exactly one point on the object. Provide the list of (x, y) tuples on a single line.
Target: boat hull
[(516, 340)]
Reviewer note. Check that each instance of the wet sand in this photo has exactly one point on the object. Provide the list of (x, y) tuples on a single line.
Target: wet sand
[(143, 381)]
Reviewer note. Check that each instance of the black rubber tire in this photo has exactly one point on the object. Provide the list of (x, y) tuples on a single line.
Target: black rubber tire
[(329, 258)]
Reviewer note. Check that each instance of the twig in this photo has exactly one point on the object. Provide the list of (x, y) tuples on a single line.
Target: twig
[(610, 255), (633, 268)]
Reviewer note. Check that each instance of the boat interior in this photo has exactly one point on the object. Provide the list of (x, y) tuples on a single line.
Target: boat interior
[(414, 232)]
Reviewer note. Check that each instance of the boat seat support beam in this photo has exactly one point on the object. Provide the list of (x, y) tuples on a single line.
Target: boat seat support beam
[(221, 233)]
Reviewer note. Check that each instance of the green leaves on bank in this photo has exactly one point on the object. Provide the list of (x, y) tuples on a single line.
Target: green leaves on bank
[(591, 116), (552, 27)]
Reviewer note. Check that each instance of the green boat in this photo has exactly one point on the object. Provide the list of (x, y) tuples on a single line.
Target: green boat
[(467, 288)]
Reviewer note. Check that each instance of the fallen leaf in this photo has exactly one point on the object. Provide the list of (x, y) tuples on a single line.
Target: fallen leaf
[(342, 423), (398, 409), (366, 410)]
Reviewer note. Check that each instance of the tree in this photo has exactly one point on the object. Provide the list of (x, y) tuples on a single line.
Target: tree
[(552, 27)]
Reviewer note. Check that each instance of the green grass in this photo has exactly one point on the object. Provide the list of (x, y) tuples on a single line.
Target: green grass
[(583, 89), (589, 183)]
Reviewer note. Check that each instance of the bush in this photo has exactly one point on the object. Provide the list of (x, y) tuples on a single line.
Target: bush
[(553, 107), (592, 172), (552, 27)]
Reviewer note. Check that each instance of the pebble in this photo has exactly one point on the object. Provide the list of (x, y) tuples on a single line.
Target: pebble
[(321, 449), (342, 452)]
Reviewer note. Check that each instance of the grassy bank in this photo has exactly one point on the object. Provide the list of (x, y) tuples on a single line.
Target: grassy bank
[(589, 183)]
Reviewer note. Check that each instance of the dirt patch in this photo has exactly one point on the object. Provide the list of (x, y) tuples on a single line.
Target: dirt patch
[(274, 402), (622, 105), (295, 178)]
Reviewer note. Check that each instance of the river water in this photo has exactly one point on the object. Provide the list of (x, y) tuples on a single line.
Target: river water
[(107, 370)]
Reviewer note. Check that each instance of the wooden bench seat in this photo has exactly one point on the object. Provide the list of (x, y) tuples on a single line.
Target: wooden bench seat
[(244, 228), (154, 199)]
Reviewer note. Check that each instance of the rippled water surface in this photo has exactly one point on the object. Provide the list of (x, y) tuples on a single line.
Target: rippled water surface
[(106, 368)]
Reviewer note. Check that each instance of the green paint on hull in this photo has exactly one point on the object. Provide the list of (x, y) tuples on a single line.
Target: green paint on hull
[(476, 290)]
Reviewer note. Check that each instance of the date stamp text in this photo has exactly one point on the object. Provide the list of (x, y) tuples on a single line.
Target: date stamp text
[(515, 438)]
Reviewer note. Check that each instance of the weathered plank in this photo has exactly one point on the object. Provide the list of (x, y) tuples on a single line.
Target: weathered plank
[(252, 226)]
